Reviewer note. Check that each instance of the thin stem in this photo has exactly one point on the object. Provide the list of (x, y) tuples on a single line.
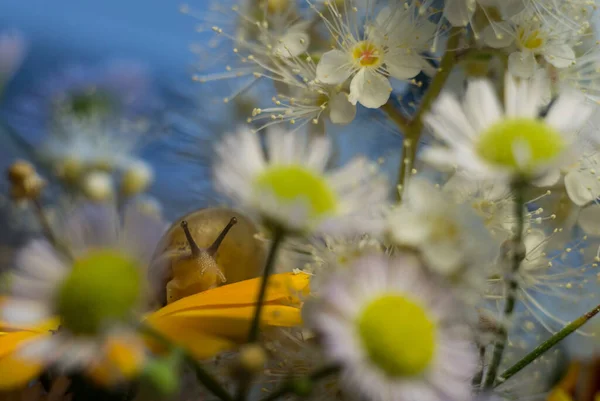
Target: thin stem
[(269, 266), (396, 116), (413, 129), (519, 186), (202, 375), (546, 345), (278, 236), (292, 386)]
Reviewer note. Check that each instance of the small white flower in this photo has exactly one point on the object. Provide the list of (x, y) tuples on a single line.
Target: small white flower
[(289, 186), (390, 46), (396, 336), (95, 291), (485, 141), (304, 99), (528, 37), (450, 237), (582, 181)]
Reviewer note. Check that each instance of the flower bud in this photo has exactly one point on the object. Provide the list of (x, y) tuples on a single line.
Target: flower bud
[(26, 183), (252, 358), (97, 186), (136, 178)]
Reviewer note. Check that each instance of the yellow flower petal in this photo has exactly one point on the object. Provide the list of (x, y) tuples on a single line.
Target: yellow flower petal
[(123, 360), (14, 372), (284, 288), (218, 319)]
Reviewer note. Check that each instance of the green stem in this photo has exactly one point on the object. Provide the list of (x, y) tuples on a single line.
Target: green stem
[(412, 130), (202, 375), (519, 186), (269, 266), (244, 383), (298, 385), (546, 345)]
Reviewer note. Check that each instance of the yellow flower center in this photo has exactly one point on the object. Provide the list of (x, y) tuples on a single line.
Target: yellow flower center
[(277, 6), (296, 183), (398, 335), (497, 145), (530, 40), (366, 54), (102, 287)]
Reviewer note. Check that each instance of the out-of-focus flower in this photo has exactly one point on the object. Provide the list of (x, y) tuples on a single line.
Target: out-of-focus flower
[(289, 187), (117, 91), (94, 291), (390, 47), (97, 186), (485, 141), (394, 333), (450, 237), (13, 48), (25, 181)]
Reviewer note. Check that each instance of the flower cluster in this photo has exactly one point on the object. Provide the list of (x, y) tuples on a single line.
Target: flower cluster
[(321, 272)]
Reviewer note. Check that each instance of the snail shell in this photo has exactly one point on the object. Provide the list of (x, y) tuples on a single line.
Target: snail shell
[(223, 248)]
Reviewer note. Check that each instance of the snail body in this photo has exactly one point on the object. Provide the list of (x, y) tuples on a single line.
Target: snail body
[(204, 249)]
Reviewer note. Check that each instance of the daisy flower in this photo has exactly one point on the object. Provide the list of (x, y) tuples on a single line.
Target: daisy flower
[(487, 142), (450, 237), (94, 292), (390, 46), (395, 335), (288, 187)]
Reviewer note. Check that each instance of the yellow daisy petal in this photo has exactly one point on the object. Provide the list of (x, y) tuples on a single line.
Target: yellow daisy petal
[(14, 372)]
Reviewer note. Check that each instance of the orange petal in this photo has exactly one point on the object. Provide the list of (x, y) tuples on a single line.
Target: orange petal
[(123, 359), (14, 371), (284, 288), (207, 332)]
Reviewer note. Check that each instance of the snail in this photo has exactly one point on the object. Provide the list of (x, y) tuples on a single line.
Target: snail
[(204, 249)]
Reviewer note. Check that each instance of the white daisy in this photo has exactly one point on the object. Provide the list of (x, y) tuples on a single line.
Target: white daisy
[(450, 237), (95, 291), (396, 336), (289, 188), (487, 142), (390, 46)]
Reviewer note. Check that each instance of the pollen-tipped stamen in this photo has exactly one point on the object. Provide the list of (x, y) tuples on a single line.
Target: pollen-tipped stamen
[(212, 250), (188, 235)]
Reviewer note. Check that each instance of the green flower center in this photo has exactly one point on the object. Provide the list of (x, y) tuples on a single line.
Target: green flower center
[(293, 183), (398, 335), (102, 287), (497, 145), (366, 54)]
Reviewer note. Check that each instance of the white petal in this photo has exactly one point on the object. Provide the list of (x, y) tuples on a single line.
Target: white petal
[(403, 65), (408, 228), (459, 12), (370, 89), (341, 111), (569, 113), (334, 67), (498, 35), (444, 257), (481, 105), (549, 178), (522, 64), (589, 220), (582, 188), (560, 56)]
